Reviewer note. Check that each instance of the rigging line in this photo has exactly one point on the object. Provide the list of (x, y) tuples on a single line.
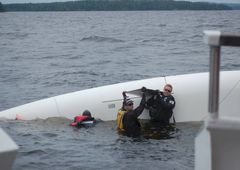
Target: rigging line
[(165, 79), (229, 92)]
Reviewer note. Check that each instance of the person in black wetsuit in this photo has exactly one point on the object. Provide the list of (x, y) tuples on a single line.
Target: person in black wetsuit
[(161, 104), (131, 124)]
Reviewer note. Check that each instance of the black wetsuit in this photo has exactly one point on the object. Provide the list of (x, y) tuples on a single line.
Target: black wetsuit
[(131, 123), (160, 106)]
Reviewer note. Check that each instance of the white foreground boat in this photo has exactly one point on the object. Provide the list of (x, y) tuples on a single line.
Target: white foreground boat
[(217, 144), (8, 151)]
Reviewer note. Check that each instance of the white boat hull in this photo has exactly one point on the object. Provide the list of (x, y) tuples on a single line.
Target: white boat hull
[(190, 92)]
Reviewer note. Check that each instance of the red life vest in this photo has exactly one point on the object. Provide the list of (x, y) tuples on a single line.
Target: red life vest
[(79, 119)]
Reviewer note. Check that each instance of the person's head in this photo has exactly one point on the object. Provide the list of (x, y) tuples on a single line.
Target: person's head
[(87, 113), (167, 90), (128, 104)]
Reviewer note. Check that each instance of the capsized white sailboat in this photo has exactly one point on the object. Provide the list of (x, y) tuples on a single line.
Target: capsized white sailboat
[(190, 92)]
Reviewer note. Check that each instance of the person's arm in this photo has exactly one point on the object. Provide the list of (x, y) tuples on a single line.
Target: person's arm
[(124, 98), (138, 111)]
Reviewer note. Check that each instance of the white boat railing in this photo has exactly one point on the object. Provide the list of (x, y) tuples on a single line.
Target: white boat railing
[(217, 145), (215, 39)]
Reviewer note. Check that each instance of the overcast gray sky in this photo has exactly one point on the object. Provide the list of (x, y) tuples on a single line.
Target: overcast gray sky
[(37, 1)]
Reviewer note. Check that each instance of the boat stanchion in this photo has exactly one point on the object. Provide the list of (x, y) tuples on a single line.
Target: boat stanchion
[(217, 145)]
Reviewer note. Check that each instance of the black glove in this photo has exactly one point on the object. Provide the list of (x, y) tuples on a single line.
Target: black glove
[(143, 89)]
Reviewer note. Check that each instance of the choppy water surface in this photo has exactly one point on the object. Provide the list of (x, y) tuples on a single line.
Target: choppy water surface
[(50, 53), (53, 143)]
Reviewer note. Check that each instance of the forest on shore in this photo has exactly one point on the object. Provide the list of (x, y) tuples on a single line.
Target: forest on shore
[(1, 7), (114, 5)]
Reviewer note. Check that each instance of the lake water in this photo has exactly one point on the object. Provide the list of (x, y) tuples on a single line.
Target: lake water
[(43, 54)]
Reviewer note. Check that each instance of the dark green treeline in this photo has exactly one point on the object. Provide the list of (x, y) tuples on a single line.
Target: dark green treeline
[(1, 7), (116, 5)]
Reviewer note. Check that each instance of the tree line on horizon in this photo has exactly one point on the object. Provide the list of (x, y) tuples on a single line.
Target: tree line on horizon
[(1, 7), (115, 5)]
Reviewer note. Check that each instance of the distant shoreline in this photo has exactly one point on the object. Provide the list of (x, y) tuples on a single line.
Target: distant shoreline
[(116, 5)]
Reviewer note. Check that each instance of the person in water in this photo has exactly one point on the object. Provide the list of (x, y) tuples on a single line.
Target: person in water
[(80, 120), (161, 104), (127, 118)]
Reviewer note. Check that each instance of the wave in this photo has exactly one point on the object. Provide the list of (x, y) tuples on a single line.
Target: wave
[(162, 25), (15, 35), (101, 39), (33, 152), (195, 36), (83, 72), (100, 62), (153, 40), (50, 121), (230, 66), (210, 25)]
